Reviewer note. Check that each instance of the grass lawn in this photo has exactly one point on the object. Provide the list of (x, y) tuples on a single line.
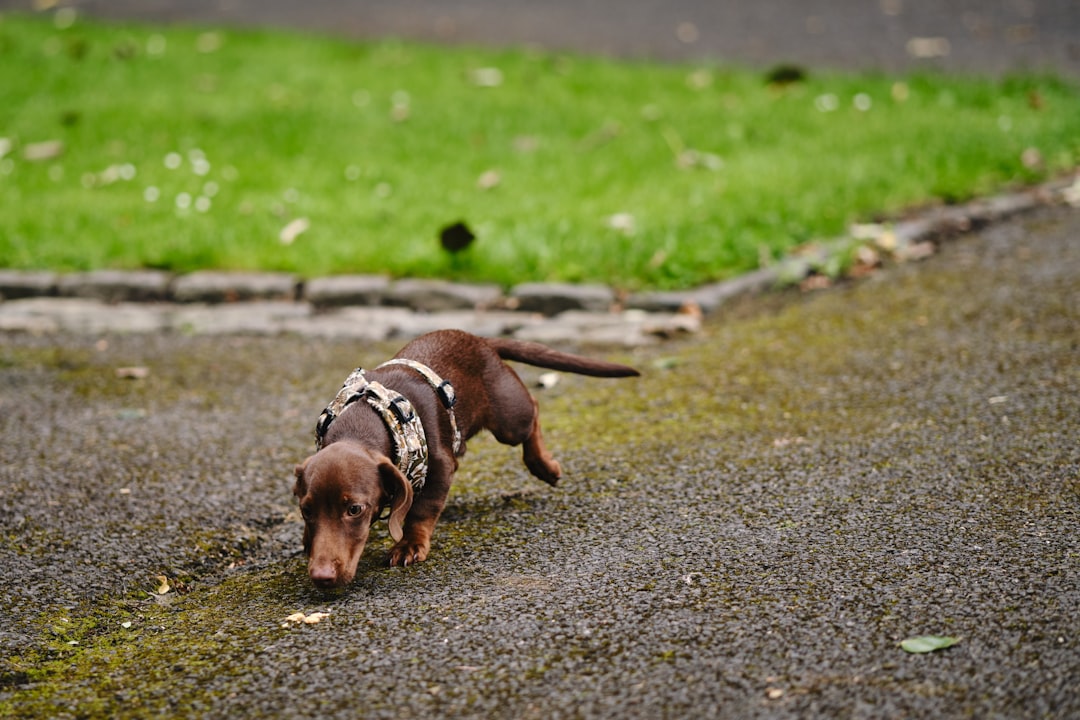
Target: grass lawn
[(182, 148)]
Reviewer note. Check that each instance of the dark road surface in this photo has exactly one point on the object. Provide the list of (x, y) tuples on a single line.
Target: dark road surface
[(968, 36), (747, 531)]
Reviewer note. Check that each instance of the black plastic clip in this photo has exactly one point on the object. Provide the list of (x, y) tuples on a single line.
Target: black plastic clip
[(446, 394), (402, 409)]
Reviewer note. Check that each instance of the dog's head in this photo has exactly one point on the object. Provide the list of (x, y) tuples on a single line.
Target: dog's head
[(341, 490)]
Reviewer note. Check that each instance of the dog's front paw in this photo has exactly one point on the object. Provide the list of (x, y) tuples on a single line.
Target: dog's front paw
[(408, 552)]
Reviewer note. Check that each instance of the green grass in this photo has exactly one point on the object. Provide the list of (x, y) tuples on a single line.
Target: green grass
[(707, 170)]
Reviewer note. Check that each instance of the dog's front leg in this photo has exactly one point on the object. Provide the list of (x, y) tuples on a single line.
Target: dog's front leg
[(415, 542)]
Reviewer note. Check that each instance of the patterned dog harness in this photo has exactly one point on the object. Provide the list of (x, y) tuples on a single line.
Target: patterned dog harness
[(406, 430)]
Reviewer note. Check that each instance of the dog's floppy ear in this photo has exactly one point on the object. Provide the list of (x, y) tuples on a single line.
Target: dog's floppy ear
[(300, 487), (401, 493)]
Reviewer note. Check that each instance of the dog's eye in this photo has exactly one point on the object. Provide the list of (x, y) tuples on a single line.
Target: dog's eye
[(305, 512), (355, 509)]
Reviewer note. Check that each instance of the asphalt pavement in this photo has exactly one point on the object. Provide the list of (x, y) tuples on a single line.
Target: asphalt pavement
[(894, 35), (749, 530)]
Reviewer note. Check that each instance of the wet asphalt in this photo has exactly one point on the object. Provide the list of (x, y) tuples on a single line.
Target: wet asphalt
[(747, 531)]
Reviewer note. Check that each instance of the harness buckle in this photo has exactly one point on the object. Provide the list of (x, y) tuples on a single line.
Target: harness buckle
[(446, 394), (402, 410)]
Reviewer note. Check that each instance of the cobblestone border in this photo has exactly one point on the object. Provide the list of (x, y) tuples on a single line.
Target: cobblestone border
[(375, 307)]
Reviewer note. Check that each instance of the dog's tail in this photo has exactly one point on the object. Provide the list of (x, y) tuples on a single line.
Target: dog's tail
[(539, 355)]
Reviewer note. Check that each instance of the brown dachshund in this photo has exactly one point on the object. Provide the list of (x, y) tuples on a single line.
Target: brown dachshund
[(392, 437)]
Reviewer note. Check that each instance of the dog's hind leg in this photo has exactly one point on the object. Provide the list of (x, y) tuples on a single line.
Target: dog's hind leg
[(516, 421), (537, 458)]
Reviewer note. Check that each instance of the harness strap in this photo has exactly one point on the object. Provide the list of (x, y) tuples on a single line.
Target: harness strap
[(351, 391), (405, 427), (442, 388), (406, 430)]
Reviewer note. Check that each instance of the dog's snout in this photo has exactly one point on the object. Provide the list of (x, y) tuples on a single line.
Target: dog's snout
[(324, 575)]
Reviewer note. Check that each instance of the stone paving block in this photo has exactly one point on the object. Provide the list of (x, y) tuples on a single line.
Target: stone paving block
[(32, 324), (559, 333), (219, 287), (554, 298), (30, 315), (344, 290), (251, 318), (486, 323), (114, 286), (15, 284), (440, 295), (358, 323), (122, 318), (602, 328), (629, 328), (710, 297), (82, 315)]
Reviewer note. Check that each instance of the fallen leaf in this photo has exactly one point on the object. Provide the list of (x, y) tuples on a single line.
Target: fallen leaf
[(623, 222), (690, 308), (457, 236), (867, 259), (785, 74), (293, 230), (915, 251), (815, 282), (486, 77), (1031, 158), (163, 586), (828, 102), (489, 179), (687, 32), (928, 643), (699, 79), (526, 144), (133, 373), (928, 47), (43, 150)]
